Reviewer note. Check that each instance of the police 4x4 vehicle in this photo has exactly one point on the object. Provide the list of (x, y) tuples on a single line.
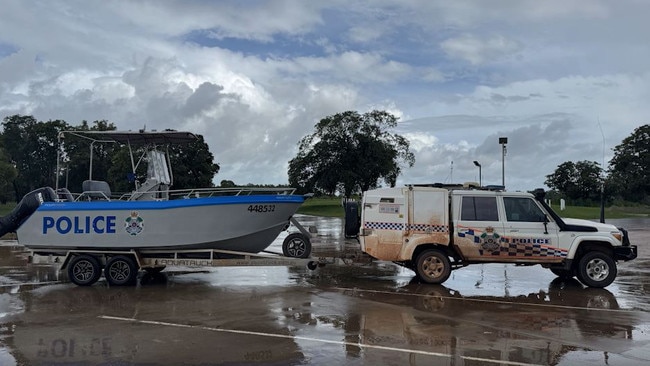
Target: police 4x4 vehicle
[(433, 230)]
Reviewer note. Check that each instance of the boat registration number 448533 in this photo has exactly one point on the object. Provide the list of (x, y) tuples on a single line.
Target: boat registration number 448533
[(261, 208)]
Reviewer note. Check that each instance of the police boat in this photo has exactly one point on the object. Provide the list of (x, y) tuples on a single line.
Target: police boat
[(153, 216)]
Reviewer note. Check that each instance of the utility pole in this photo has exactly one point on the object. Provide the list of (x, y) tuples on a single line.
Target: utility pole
[(480, 174), (503, 141)]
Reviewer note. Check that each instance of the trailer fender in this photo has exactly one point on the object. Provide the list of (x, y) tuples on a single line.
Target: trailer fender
[(66, 261)]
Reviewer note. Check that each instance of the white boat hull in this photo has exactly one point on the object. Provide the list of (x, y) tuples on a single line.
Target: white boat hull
[(240, 223)]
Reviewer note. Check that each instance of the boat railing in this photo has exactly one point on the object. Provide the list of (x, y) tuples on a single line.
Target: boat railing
[(234, 191), (212, 192)]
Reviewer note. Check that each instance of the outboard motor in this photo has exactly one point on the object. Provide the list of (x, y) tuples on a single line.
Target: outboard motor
[(26, 208)]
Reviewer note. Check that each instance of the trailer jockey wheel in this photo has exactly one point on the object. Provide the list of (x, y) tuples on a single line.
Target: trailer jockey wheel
[(121, 271), (296, 245), (84, 270)]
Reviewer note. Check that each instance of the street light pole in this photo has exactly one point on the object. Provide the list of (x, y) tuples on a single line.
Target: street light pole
[(503, 141), (480, 174)]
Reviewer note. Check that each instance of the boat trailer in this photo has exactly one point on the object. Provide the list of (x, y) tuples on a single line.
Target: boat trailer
[(121, 267)]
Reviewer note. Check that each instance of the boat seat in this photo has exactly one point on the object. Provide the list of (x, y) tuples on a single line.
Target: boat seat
[(150, 190), (96, 190), (64, 195)]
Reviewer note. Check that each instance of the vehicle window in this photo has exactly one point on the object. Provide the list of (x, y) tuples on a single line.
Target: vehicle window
[(522, 209), (479, 209)]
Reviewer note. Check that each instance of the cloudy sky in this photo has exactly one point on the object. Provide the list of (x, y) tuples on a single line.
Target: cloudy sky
[(563, 80)]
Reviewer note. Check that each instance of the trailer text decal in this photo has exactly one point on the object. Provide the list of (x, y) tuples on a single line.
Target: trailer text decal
[(80, 224)]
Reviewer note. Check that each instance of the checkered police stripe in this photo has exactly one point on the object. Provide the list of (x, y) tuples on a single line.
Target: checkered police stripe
[(514, 250), (533, 250), (384, 225), (401, 226), (470, 233)]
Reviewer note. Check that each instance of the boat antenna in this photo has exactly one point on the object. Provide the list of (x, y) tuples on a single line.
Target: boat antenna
[(59, 137)]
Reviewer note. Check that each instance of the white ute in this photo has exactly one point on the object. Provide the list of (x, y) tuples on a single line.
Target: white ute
[(434, 230)]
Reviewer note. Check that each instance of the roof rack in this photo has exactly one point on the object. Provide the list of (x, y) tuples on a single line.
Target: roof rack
[(464, 186)]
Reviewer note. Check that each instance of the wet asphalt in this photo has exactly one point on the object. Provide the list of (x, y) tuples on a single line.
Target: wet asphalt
[(377, 314)]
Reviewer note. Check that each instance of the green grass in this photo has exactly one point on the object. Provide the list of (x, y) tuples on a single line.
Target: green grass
[(614, 212), (5, 209), (322, 206)]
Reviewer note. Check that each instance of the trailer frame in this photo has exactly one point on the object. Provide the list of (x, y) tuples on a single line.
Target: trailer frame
[(120, 267)]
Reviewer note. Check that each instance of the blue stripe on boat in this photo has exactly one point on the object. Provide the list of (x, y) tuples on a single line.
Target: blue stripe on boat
[(162, 205)]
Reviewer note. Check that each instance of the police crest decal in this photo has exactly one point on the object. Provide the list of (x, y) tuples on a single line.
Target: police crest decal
[(134, 224), (490, 240)]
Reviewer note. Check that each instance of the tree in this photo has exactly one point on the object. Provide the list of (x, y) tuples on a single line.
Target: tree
[(227, 184), (7, 175), (32, 149), (120, 172), (630, 166), (192, 166), (577, 181), (350, 152), (75, 167)]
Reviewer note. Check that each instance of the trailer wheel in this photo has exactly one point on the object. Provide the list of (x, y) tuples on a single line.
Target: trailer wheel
[(121, 271), (564, 274), (433, 266), (296, 245), (596, 269), (84, 270)]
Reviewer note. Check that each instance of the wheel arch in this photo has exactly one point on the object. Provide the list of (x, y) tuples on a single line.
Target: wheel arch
[(422, 247), (66, 260), (591, 245)]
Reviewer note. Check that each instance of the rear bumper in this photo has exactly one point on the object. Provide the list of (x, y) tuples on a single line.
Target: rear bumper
[(625, 253)]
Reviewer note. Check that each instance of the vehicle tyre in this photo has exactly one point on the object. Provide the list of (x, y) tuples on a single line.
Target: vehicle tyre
[(121, 271), (84, 270), (433, 266), (564, 274), (596, 269), (296, 245)]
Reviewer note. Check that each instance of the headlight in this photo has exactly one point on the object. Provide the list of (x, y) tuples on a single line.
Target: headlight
[(618, 235)]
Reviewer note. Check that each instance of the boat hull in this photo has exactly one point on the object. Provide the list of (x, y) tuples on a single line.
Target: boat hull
[(241, 223)]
